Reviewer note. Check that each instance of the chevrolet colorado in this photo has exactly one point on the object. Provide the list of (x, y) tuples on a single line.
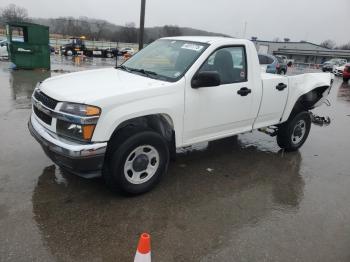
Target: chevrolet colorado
[(125, 123)]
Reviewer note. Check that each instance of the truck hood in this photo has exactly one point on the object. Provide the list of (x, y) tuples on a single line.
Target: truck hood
[(92, 86)]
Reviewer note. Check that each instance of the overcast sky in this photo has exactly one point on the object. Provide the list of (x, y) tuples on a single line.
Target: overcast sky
[(311, 20)]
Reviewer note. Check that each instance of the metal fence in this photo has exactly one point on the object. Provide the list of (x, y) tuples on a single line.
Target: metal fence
[(57, 42), (302, 66)]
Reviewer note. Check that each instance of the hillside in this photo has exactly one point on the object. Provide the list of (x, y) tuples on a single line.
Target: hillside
[(95, 29)]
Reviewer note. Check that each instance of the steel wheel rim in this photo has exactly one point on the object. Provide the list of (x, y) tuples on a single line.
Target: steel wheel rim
[(136, 173), (298, 132)]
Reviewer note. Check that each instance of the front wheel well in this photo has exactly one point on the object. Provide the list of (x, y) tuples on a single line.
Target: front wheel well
[(160, 123)]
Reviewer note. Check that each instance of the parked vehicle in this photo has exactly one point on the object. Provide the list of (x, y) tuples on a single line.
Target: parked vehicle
[(272, 64), (52, 49), (125, 123), (330, 65), (282, 66), (4, 46), (327, 66), (346, 73), (77, 46), (127, 50), (3, 49), (338, 70), (289, 62)]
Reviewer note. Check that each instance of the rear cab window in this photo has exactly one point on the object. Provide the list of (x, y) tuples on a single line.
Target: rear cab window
[(265, 60)]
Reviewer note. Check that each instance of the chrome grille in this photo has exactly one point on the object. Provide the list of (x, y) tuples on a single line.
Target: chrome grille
[(42, 116), (45, 100)]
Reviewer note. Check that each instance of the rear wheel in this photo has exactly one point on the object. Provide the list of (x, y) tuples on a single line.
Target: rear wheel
[(345, 79), (293, 133), (138, 161)]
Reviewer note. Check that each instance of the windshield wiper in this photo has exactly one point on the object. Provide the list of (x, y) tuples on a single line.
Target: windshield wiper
[(144, 72), (147, 73), (123, 68)]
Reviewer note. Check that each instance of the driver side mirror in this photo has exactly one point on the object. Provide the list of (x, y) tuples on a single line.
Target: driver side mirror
[(206, 79)]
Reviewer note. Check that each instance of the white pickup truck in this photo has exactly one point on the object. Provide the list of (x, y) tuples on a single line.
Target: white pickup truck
[(125, 123)]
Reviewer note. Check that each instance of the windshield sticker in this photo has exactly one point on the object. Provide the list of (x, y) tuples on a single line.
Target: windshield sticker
[(193, 47)]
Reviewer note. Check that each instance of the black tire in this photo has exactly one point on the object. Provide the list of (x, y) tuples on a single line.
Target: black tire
[(123, 145), (345, 79), (289, 137)]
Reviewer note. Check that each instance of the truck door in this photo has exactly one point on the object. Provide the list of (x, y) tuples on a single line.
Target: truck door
[(219, 111), (274, 99)]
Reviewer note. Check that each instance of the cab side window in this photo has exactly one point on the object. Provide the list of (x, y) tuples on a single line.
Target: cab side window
[(230, 63)]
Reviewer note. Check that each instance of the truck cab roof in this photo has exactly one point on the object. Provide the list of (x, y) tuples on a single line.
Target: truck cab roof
[(208, 39)]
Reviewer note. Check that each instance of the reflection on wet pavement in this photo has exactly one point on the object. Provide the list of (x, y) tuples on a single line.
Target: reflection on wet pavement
[(236, 199), (23, 83), (344, 92), (197, 208)]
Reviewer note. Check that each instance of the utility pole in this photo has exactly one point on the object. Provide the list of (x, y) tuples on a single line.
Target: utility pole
[(244, 30), (142, 23)]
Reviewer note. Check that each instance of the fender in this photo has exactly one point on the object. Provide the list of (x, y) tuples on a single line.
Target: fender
[(301, 89), (170, 106)]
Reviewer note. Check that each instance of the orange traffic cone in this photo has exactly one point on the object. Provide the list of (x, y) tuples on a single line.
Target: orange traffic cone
[(143, 252)]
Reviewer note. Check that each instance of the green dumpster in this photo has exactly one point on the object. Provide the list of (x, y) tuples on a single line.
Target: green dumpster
[(28, 45)]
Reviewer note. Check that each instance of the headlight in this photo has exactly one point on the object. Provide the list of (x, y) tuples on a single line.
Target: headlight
[(74, 130), (80, 109)]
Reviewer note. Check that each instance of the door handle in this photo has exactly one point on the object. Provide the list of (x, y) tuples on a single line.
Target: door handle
[(244, 91), (281, 86)]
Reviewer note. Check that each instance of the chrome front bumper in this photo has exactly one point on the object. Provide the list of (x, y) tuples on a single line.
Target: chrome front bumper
[(82, 159)]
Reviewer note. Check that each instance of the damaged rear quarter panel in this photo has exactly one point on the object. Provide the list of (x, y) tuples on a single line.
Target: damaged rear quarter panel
[(302, 84)]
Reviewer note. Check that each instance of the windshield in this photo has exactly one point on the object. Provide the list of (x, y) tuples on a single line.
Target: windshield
[(165, 59)]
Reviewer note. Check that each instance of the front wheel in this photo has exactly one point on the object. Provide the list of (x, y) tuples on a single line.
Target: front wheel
[(137, 163), (293, 133)]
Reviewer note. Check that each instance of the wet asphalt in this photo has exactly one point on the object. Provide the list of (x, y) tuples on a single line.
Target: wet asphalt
[(236, 199)]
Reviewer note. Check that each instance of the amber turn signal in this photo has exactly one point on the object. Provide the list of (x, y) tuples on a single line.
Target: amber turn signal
[(88, 130), (92, 111)]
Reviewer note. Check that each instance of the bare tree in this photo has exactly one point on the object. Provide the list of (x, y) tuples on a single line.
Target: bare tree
[(286, 39), (85, 27), (344, 47), (276, 39), (171, 30), (100, 26), (129, 33), (328, 44), (14, 13)]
